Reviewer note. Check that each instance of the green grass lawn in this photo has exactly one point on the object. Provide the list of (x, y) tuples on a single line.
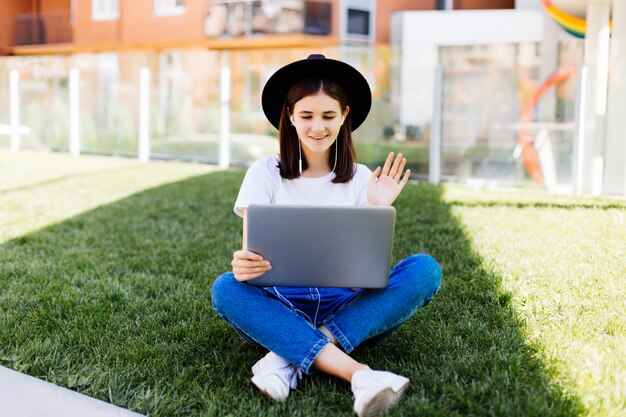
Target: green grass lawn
[(106, 266)]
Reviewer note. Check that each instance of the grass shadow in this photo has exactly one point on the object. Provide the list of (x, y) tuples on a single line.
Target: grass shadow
[(115, 303)]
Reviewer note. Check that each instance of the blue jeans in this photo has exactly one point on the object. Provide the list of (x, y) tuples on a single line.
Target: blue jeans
[(286, 320)]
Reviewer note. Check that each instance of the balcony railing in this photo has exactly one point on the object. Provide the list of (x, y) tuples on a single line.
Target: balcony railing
[(251, 17), (42, 28)]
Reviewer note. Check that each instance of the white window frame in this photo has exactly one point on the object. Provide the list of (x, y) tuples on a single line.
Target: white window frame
[(169, 7), (368, 6), (105, 10)]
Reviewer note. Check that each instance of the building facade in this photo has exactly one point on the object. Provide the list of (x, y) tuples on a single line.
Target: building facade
[(39, 27)]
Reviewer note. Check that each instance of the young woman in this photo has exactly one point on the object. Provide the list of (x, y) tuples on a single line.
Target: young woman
[(316, 103)]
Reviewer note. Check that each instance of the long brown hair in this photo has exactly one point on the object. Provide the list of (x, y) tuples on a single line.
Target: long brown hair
[(288, 137)]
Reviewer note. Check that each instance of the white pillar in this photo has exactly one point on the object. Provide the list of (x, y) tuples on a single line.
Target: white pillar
[(615, 156), (74, 87), (223, 157), (579, 129), (597, 62), (143, 144), (434, 156), (14, 98)]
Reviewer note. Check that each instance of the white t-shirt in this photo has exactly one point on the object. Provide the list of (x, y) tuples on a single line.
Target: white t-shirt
[(264, 185)]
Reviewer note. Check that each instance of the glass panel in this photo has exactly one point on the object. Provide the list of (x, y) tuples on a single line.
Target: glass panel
[(370, 141), (253, 137), (489, 106), (184, 102), (502, 123), (109, 102), (484, 89), (44, 103), (402, 107), (561, 132)]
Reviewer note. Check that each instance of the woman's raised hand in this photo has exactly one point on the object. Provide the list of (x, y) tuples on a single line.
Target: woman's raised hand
[(249, 265), (386, 183)]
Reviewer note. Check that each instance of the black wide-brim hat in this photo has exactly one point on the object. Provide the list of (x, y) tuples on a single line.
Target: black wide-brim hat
[(316, 65)]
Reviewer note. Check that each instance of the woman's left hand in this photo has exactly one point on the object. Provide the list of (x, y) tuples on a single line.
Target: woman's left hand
[(385, 184)]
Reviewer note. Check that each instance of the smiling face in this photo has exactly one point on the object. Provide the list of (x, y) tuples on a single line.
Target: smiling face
[(307, 146), (317, 119)]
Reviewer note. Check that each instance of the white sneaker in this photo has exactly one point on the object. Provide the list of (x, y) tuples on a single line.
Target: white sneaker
[(274, 376), (377, 391)]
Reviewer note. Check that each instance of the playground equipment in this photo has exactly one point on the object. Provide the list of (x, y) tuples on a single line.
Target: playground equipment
[(574, 25), (524, 139)]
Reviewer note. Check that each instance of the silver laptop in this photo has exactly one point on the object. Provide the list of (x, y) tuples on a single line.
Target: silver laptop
[(322, 246)]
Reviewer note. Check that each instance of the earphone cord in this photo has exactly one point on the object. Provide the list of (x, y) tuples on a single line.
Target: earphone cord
[(300, 152), (300, 155)]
